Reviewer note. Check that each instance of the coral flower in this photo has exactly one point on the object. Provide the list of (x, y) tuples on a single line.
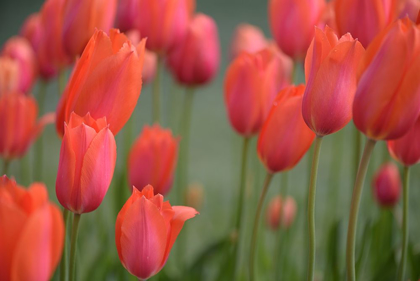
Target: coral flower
[(31, 232), (146, 230), (9, 75), (87, 161), (106, 81), (331, 77), (281, 212), (387, 185), (248, 38), (152, 159), (289, 212), (387, 99)]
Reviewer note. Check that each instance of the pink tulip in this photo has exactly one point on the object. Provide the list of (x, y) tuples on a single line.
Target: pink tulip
[(387, 185), (247, 38)]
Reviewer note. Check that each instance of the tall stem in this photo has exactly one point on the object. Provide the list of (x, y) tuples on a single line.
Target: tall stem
[(73, 245), (357, 150), (311, 207), (354, 209), (63, 263), (267, 181), (39, 148), (156, 92), (406, 180)]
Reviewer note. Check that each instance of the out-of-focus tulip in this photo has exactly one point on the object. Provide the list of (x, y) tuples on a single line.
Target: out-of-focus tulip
[(387, 99), (292, 24), (32, 30), (410, 9), (274, 212), (20, 50), (81, 18), (195, 60), (407, 148), (289, 212), (387, 185), (18, 124), (87, 161), (152, 159), (248, 38), (195, 195), (9, 75), (331, 77), (31, 232), (251, 84), (158, 224), (106, 81), (284, 137)]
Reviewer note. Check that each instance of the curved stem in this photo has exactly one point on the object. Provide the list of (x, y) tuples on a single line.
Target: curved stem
[(39, 148), (311, 207), (63, 263), (156, 92), (73, 245), (354, 209), (401, 268), (267, 181)]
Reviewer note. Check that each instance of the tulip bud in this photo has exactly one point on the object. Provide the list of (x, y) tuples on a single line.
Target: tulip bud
[(195, 195), (274, 214), (81, 18), (386, 103), (106, 81), (87, 161), (248, 38), (289, 212), (9, 75), (387, 185), (284, 138), (157, 223), (152, 159), (195, 60), (331, 81), (32, 232), (292, 24)]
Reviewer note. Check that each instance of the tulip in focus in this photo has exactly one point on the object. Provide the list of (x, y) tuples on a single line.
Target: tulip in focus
[(248, 38), (152, 159), (31, 232), (387, 185), (87, 161), (331, 77), (146, 216)]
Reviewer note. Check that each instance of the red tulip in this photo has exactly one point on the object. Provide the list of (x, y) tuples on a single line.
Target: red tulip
[(80, 20), (9, 75), (247, 38), (146, 230), (31, 232), (387, 100), (274, 212), (330, 70), (284, 137), (106, 81), (289, 212), (292, 24), (152, 159), (387, 185), (32, 30), (87, 161), (195, 60)]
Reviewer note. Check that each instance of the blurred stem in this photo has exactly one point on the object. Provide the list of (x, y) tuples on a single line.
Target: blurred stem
[(6, 164), (39, 148), (406, 180), (354, 209), (311, 207), (156, 92), (284, 183), (63, 263), (73, 245), (61, 82), (357, 150), (267, 182)]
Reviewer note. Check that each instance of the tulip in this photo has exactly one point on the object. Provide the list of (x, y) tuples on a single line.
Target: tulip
[(157, 223), (364, 19), (152, 159), (386, 185), (195, 60), (32, 30), (31, 232), (289, 212), (330, 70), (106, 81), (406, 149), (292, 24), (410, 9), (20, 50), (248, 38), (87, 161), (81, 18), (274, 212), (9, 75)]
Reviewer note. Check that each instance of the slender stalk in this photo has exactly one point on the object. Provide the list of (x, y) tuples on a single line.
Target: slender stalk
[(6, 164), (357, 150), (63, 263), (354, 209), (267, 181), (156, 92), (61, 82), (284, 183), (406, 180), (73, 245), (311, 207), (39, 147)]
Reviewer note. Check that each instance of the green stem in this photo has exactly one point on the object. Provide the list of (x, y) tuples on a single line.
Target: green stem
[(357, 150), (73, 245), (311, 207), (63, 263), (61, 82), (285, 183), (156, 92), (6, 164), (406, 180), (267, 181), (39, 147), (354, 209)]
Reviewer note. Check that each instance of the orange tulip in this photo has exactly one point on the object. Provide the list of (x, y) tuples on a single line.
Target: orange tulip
[(31, 232), (387, 185), (387, 100), (81, 18), (292, 24), (152, 159), (87, 161), (106, 81), (284, 137), (247, 38), (9, 75), (330, 70), (157, 223)]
